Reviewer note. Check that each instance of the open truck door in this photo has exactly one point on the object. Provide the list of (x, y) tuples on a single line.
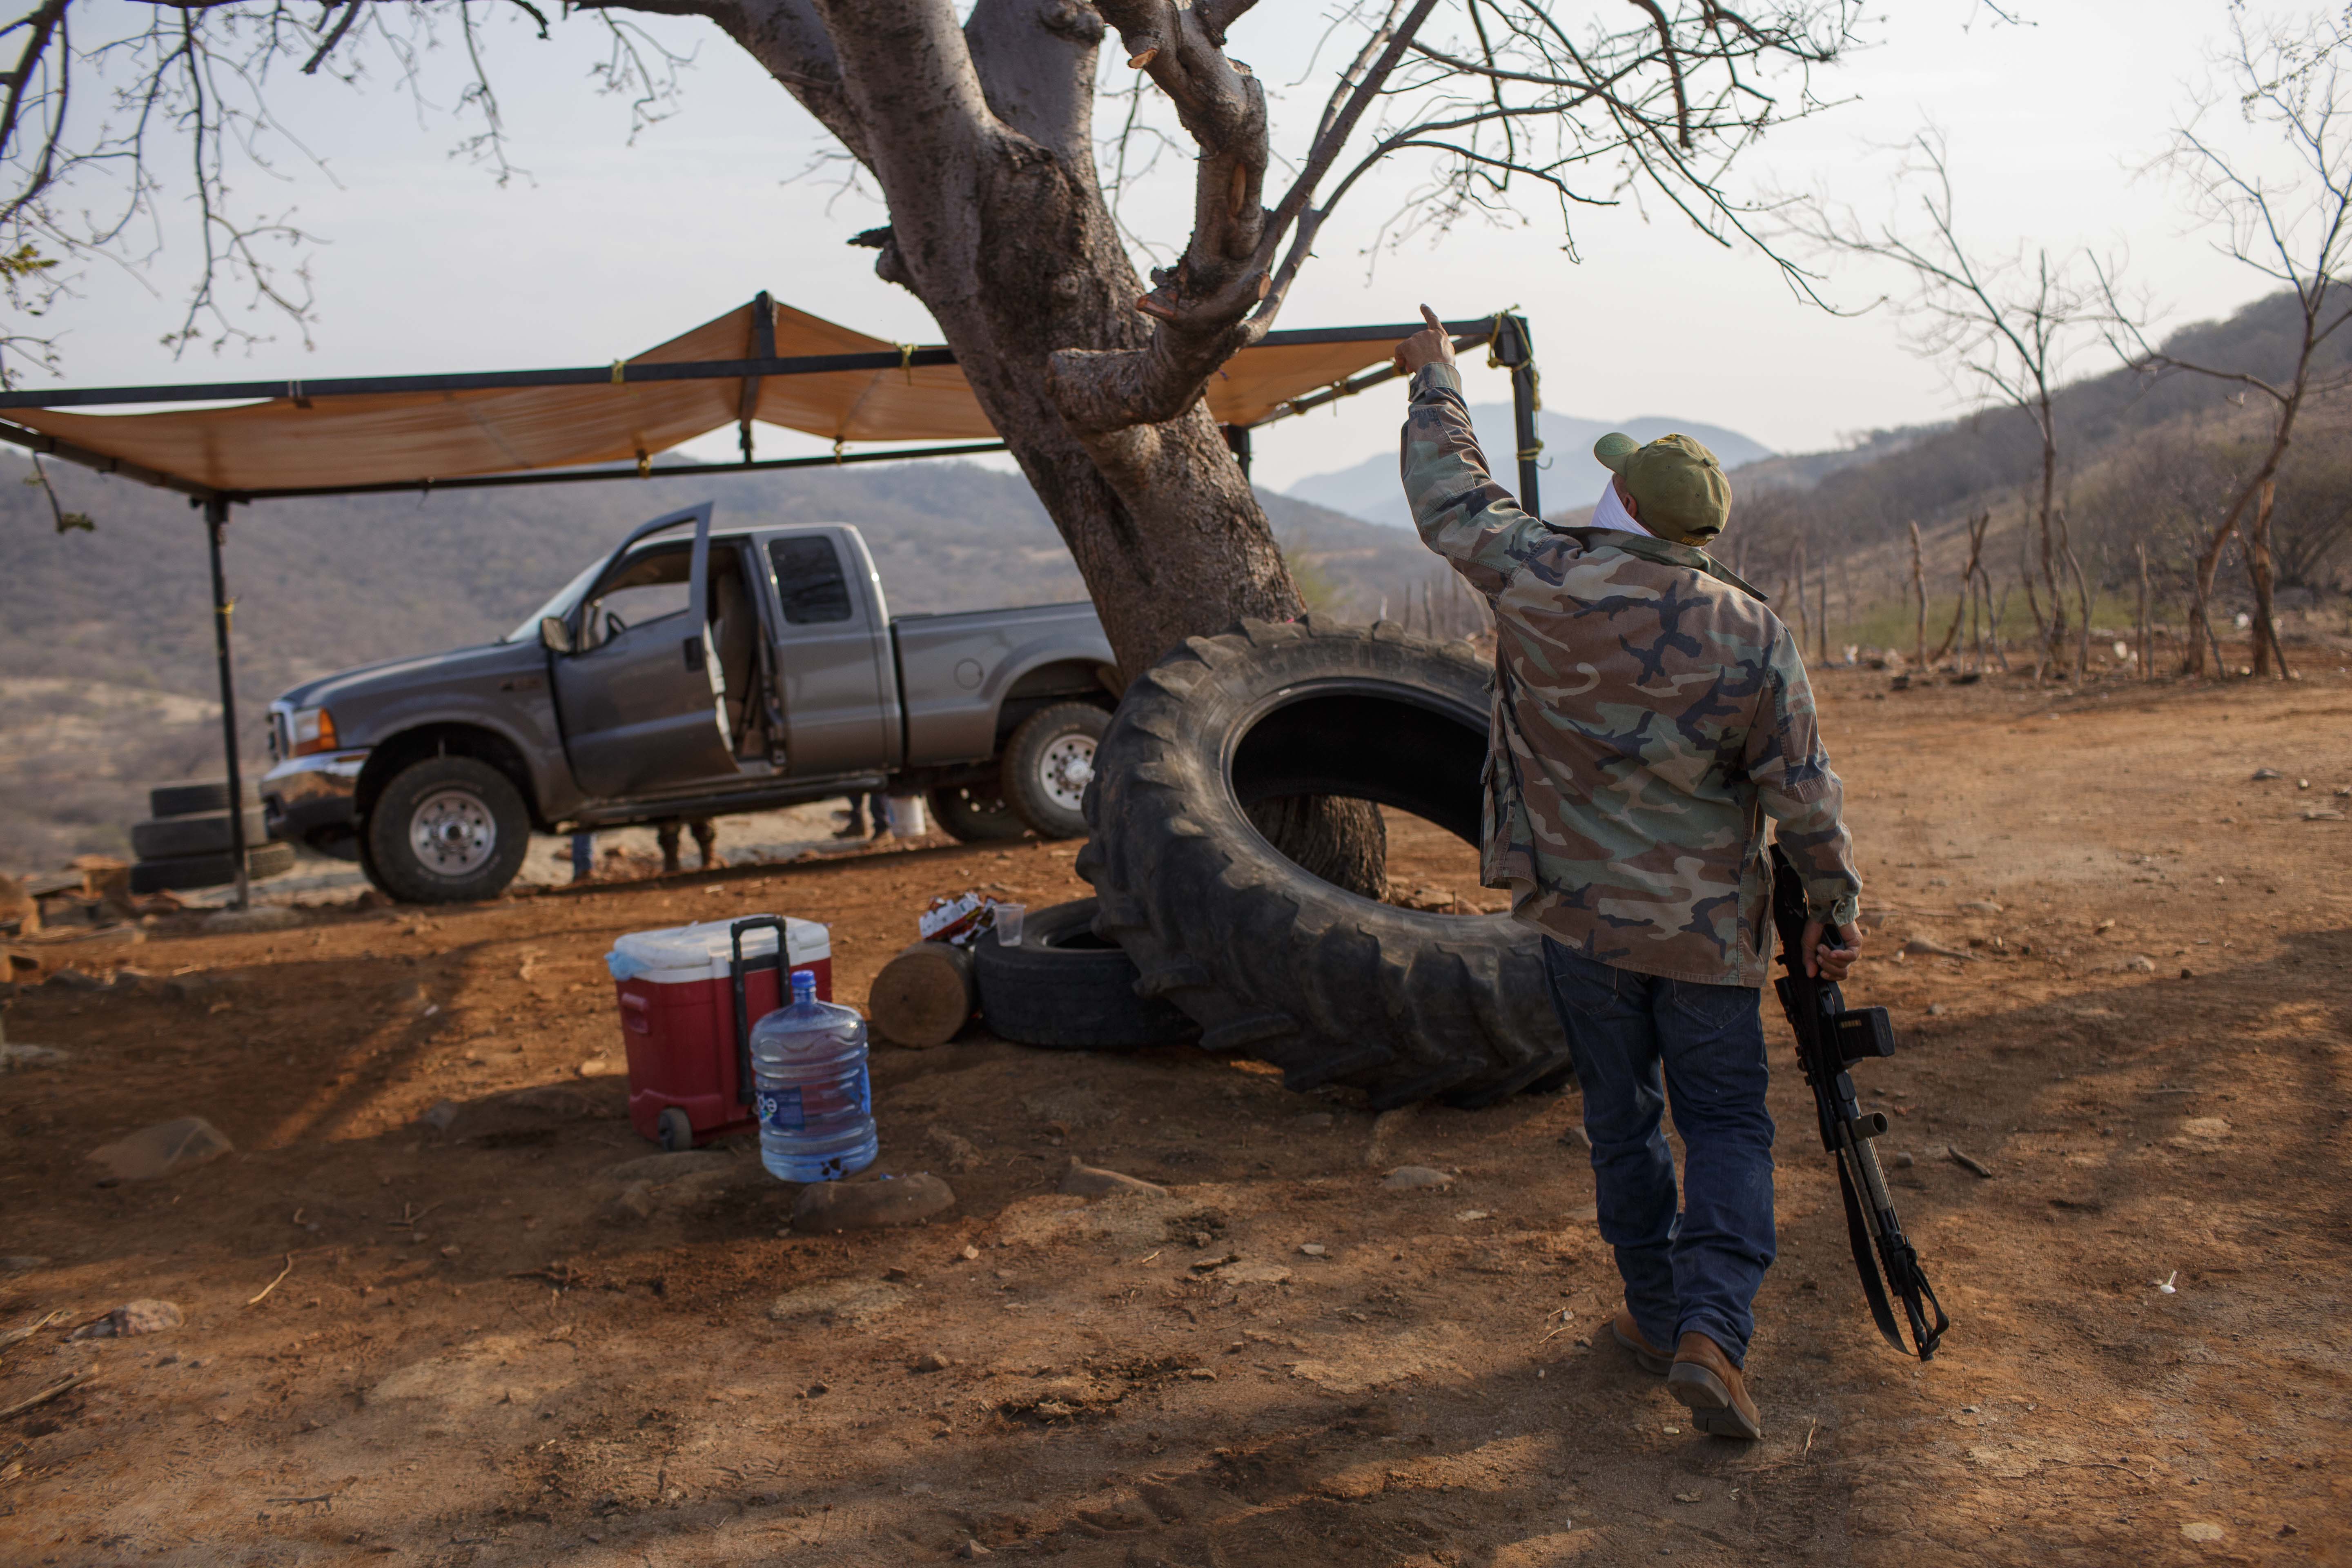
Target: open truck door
[(639, 685)]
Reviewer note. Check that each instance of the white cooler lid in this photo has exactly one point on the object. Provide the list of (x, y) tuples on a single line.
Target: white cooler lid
[(676, 954)]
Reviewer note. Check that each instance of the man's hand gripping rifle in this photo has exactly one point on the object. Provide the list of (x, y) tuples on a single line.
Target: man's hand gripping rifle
[(1830, 1039)]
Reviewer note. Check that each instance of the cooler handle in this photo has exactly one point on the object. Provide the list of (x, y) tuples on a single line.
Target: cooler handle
[(737, 969)]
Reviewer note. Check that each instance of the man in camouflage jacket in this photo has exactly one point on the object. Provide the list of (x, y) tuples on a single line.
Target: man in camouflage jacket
[(1650, 712)]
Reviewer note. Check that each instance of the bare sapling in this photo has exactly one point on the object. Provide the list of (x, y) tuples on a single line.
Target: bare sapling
[(2287, 82), (2003, 327), (1977, 527)]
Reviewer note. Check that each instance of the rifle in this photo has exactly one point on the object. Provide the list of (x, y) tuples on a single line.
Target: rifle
[(1832, 1037)]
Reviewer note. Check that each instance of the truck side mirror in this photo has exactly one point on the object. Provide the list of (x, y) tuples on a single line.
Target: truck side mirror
[(554, 634)]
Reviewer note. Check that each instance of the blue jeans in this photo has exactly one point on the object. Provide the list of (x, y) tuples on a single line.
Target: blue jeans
[(1698, 1270)]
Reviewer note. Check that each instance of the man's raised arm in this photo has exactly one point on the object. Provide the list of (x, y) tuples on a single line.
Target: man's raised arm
[(1461, 511)]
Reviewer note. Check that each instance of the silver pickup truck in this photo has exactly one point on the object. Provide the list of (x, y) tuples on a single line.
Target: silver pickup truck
[(693, 672)]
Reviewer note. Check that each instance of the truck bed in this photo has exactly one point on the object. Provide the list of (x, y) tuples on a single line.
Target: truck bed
[(954, 671)]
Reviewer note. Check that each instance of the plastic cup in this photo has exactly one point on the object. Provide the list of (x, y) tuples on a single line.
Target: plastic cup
[(1009, 918)]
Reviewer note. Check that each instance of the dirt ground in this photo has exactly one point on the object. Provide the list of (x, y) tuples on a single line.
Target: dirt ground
[(490, 1348)]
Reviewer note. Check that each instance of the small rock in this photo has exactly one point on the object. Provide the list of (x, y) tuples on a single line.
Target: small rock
[(819, 1390), (1407, 1178), (1314, 1249), (1468, 1214), (2209, 1127), (1688, 1497), (134, 980), (960, 1153), (1088, 1181), (2105, 925), (2262, 773), (1256, 1274), (146, 1316), (597, 1067), (969, 1253), (971, 1548), (870, 1206), (2141, 963), (1906, 1160), (73, 980), (2203, 1529), (1935, 1009), (441, 1116), (1982, 907), (25, 1059), (930, 1362), (261, 917), (153, 1152)]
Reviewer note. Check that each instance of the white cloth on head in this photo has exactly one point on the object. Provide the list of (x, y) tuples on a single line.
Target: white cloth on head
[(1610, 512)]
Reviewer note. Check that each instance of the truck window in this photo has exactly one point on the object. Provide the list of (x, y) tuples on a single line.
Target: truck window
[(646, 586), (810, 579)]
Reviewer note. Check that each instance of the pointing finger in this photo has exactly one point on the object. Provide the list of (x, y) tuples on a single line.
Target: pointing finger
[(1431, 317)]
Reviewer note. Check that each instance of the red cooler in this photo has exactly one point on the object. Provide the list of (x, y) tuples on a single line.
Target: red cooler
[(682, 991)]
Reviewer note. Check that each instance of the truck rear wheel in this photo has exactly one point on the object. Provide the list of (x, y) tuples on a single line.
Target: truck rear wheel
[(447, 830), (1048, 763), (975, 816)]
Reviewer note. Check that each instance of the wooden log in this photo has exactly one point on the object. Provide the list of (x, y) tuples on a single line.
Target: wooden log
[(923, 996)]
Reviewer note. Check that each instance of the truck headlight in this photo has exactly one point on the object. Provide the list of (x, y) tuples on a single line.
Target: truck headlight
[(310, 730)]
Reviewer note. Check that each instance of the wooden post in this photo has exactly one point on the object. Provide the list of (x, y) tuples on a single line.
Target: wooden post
[(2147, 621), (1919, 594), (1822, 610)]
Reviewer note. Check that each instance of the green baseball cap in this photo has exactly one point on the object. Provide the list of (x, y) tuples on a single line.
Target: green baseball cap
[(1678, 485)]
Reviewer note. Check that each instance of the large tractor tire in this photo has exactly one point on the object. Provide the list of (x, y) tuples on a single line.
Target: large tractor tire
[(1272, 960)]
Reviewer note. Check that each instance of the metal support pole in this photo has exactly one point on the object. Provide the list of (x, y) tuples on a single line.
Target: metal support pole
[(1238, 441), (216, 519), (1514, 348)]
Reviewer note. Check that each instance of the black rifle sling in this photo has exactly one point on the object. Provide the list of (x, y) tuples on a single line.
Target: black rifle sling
[(1865, 1261)]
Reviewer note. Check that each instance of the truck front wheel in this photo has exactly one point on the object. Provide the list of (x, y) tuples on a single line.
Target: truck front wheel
[(1048, 763), (447, 830)]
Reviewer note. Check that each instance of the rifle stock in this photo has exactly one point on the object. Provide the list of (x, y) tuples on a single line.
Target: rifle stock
[(1832, 1037)]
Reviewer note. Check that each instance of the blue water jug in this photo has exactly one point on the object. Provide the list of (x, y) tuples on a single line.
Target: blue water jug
[(810, 1089)]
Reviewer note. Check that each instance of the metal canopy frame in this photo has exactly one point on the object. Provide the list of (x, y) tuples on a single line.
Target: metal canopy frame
[(1504, 333)]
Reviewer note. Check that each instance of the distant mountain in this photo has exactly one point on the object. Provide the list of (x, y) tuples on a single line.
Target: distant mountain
[(1570, 478)]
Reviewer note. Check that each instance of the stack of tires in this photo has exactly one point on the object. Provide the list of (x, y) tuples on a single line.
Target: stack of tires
[(1203, 931), (189, 842)]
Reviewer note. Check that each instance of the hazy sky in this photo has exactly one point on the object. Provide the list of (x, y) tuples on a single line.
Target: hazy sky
[(606, 248)]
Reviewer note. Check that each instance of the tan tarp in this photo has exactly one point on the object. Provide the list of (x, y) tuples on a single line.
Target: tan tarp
[(393, 437)]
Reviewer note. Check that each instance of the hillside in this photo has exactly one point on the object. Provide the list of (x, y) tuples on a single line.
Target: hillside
[(106, 636)]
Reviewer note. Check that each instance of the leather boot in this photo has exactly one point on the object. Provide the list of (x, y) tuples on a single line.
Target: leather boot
[(1704, 1378), (1628, 1334)]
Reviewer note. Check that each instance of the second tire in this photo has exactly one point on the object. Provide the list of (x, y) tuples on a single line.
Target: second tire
[(1067, 988)]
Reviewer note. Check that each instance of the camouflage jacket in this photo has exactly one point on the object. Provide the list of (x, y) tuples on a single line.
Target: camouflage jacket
[(1649, 713)]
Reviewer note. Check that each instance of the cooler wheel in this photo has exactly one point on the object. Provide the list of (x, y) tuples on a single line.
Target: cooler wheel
[(675, 1134)]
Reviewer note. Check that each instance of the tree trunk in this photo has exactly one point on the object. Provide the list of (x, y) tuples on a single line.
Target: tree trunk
[(998, 226), (2258, 568)]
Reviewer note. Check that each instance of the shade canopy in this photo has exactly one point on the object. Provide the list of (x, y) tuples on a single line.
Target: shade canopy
[(419, 429)]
